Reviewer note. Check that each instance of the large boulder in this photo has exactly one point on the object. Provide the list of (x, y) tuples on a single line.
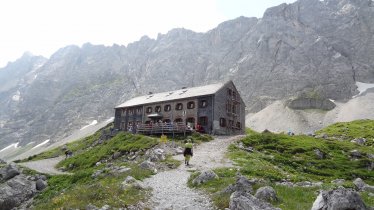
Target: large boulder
[(362, 186), (204, 177), (240, 200), (339, 199), (131, 182), (8, 172), (16, 191), (266, 193), (41, 184), (242, 184), (148, 165)]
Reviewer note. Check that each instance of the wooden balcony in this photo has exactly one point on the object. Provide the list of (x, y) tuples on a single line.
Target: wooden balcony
[(163, 128)]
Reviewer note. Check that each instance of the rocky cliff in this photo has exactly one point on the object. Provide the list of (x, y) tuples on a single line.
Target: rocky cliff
[(310, 46)]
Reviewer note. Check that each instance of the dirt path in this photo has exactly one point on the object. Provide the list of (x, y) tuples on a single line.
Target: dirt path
[(46, 166), (170, 189)]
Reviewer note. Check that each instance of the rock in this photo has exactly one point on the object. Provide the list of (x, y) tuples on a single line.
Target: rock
[(8, 172), (359, 183), (131, 182), (241, 201), (123, 169), (204, 177), (148, 165), (116, 155), (266, 193), (2, 161), (40, 184), (338, 181), (309, 184), (369, 188), (91, 207), (179, 151), (98, 163), (105, 207), (338, 199), (242, 184), (359, 141), (242, 147), (16, 191), (355, 154), (319, 154)]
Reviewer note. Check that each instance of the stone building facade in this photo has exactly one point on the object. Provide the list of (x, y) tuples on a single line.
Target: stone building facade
[(217, 109)]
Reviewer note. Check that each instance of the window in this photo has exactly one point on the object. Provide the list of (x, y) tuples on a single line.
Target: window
[(234, 94), (149, 109), (158, 109), (203, 121), (178, 120), (222, 122), (179, 106), (139, 110), (238, 125), (229, 92), (131, 111), (167, 108), (203, 103), (190, 105), (231, 123), (233, 108)]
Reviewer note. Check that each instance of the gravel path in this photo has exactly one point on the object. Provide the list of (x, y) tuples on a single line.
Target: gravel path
[(170, 189), (46, 166)]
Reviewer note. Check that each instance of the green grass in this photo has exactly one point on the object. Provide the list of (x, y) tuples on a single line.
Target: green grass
[(77, 190), (122, 142), (74, 146), (295, 198), (351, 130), (226, 177), (281, 155)]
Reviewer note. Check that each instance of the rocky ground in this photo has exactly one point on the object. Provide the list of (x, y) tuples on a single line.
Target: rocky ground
[(170, 190), (278, 117)]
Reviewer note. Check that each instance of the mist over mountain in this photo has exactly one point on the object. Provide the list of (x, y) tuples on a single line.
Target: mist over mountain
[(308, 47)]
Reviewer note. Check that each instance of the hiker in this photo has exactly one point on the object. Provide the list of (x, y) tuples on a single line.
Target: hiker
[(187, 153)]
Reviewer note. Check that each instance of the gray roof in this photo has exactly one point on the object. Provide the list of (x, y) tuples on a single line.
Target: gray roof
[(173, 95)]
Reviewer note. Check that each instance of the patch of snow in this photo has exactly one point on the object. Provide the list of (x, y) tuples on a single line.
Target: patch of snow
[(233, 70), (362, 87), (41, 144), (15, 145), (337, 55), (318, 39), (17, 96), (35, 76), (332, 100), (91, 124), (110, 120)]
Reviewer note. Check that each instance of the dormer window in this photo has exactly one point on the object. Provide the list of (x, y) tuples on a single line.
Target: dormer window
[(149, 110), (158, 109)]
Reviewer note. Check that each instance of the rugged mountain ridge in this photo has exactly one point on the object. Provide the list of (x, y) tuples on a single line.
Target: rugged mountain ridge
[(308, 47)]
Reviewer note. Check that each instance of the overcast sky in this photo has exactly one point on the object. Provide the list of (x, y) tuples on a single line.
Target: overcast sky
[(43, 26)]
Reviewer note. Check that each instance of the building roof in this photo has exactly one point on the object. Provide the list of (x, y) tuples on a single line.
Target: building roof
[(173, 95)]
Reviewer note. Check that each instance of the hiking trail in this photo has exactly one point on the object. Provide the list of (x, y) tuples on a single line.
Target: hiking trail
[(170, 190)]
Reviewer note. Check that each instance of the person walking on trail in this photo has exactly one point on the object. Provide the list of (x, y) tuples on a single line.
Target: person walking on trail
[(188, 153)]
